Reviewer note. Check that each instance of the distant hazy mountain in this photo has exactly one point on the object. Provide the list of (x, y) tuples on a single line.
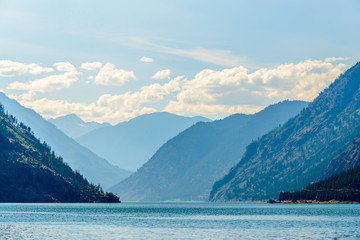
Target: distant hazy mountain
[(31, 172), (74, 127), (94, 168), (186, 166), (130, 144), (303, 150)]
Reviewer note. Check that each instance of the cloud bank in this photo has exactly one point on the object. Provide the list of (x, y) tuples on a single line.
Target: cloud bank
[(208, 93)]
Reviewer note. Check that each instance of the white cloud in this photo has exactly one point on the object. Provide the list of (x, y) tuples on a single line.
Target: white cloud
[(109, 75), (230, 90), (65, 67), (46, 84), (10, 68), (162, 74), (49, 83), (146, 59), (91, 66)]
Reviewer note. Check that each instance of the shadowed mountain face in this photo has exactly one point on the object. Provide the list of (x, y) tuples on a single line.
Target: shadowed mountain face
[(74, 127), (303, 150), (187, 165), (94, 168), (344, 186), (31, 172), (130, 144), (348, 158)]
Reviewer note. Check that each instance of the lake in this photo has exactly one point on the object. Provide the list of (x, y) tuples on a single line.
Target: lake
[(179, 221)]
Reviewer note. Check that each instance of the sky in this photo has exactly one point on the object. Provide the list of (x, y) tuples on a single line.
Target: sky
[(110, 61)]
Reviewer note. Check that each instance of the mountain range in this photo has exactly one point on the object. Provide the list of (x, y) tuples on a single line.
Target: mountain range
[(186, 166), (94, 168), (306, 149), (130, 144), (31, 172), (74, 127)]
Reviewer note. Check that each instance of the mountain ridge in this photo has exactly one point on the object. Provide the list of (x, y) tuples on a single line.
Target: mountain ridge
[(185, 167), (73, 126), (130, 144)]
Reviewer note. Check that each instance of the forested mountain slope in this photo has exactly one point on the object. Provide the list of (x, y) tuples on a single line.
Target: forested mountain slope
[(344, 186), (31, 172)]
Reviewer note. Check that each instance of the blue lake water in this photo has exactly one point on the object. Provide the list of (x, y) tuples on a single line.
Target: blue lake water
[(179, 221)]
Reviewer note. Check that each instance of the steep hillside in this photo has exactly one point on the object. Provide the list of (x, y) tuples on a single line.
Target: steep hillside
[(74, 127), (94, 168), (130, 144), (346, 159), (344, 186), (31, 172), (186, 166), (291, 156)]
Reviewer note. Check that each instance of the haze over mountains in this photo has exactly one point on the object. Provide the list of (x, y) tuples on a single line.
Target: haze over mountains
[(130, 144), (186, 166), (304, 150), (74, 127), (94, 168)]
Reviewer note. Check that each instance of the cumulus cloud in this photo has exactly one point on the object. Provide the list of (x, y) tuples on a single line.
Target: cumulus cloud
[(229, 90), (10, 68), (146, 59), (65, 67), (91, 66), (46, 84), (162, 74), (110, 76), (49, 83)]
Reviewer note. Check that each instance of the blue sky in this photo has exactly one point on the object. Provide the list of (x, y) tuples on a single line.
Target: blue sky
[(210, 58)]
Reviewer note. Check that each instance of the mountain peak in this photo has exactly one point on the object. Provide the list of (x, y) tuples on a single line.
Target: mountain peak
[(73, 126), (70, 117)]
